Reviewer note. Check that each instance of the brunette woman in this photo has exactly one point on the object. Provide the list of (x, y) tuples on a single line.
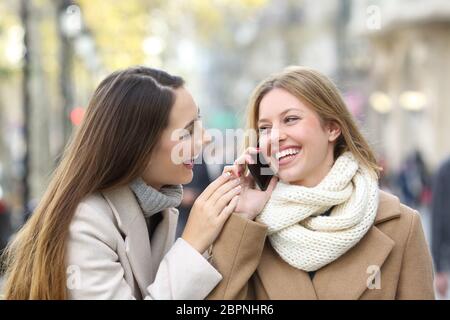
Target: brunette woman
[(105, 227)]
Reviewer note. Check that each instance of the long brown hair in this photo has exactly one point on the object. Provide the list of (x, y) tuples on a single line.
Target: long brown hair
[(123, 123), (319, 92)]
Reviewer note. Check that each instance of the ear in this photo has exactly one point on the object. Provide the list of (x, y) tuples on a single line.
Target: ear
[(334, 131)]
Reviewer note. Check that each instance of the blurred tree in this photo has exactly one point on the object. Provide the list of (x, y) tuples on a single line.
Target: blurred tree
[(175, 35), (119, 28), (10, 39)]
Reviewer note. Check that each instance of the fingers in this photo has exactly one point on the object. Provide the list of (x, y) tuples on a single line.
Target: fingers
[(225, 199), (273, 182), (222, 190), (232, 169), (229, 209), (206, 194), (252, 150), (246, 158)]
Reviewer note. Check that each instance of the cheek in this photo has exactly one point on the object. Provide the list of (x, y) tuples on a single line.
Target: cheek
[(264, 143), (310, 132), (172, 165), (300, 133), (173, 153)]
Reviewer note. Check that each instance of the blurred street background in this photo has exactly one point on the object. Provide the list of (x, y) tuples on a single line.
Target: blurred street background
[(390, 59)]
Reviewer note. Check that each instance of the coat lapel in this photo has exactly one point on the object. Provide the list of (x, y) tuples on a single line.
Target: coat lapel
[(282, 281), (132, 223), (388, 208), (349, 276)]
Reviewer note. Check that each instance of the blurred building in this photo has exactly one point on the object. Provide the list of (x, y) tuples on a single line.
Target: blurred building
[(408, 91), (390, 59)]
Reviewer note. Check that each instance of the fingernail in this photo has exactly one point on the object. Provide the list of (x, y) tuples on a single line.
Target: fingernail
[(227, 174)]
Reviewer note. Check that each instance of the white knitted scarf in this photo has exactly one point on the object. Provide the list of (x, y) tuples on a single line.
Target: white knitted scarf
[(308, 241)]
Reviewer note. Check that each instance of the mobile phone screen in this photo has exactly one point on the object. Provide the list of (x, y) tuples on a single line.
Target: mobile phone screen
[(261, 171)]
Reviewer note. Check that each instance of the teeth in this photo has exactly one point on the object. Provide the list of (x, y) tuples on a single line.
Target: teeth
[(286, 152)]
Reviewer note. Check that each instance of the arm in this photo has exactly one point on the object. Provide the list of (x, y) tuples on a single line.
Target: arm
[(416, 274), (236, 254), (95, 272), (184, 274)]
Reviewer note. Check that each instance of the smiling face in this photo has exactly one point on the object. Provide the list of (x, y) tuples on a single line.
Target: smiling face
[(293, 134), (184, 133)]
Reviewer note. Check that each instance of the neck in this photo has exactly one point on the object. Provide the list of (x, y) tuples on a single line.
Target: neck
[(319, 173), (152, 200), (152, 184)]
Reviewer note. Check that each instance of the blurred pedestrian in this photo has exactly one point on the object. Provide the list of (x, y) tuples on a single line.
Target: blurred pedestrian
[(414, 181), (440, 224)]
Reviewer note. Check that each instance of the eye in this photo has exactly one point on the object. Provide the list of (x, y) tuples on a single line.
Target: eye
[(291, 119), (187, 135), (263, 129)]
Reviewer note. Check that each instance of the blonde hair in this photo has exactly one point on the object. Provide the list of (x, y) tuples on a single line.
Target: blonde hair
[(322, 96)]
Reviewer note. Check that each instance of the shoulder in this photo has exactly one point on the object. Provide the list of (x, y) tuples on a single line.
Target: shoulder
[(390, 207), (396, 219)]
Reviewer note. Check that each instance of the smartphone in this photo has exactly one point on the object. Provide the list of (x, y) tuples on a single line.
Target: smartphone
[(261, 171)]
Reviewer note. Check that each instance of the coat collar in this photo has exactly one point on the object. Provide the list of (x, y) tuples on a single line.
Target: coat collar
[(345, 278), (388, 207), (144, 257)]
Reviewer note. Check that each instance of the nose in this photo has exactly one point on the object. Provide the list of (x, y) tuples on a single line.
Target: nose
[(276, 136), (206, 137)]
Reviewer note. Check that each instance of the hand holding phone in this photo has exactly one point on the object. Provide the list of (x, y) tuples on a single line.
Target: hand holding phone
[(253, 199), (261, 171)]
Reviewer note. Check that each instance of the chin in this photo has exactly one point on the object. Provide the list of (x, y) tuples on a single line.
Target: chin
[(187, 178), (187, 181), (179, 180), (288, 176)]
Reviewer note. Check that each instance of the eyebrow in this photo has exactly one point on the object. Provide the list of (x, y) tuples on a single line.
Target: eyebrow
[(281, 114), (193, 120)]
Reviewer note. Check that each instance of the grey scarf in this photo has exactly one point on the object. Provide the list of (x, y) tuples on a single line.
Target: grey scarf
[(152, 201)]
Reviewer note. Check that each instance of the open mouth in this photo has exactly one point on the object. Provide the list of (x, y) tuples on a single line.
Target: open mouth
[(190, 163), (287, 155)]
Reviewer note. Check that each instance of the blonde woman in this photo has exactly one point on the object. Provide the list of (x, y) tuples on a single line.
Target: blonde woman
[(327, 231), (105, 228)]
